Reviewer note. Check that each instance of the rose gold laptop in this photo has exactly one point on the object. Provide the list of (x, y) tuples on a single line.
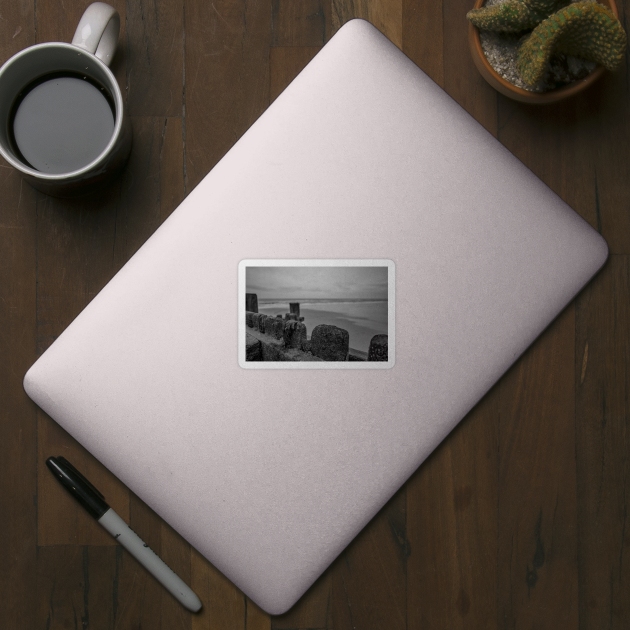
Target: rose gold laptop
[(423, 257)]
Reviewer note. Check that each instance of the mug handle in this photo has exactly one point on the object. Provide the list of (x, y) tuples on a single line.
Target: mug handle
[(98, 30)]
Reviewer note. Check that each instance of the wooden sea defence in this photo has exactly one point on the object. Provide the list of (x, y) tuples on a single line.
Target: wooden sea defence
[(285, 338)]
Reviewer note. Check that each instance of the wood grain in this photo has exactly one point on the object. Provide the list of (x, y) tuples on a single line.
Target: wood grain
[(151, 187), (572, 149), (452, 515), (300, 22), (57, 22), (61, 521), (461, 79), (517, 520), (143, 600), (76, 587), (17, 28), (224, 606), (369, 577), (285, 64), (422, 36), (558, 149), (609, 134), (226, 78), (386, 15), (537, 510), (154, 57), (18, 416), (602, 380)]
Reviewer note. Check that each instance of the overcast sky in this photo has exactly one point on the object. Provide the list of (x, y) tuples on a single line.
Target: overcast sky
[(317, 282)]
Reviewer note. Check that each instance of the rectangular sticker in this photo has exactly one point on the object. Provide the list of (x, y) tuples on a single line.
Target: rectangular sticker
[(316, 314)]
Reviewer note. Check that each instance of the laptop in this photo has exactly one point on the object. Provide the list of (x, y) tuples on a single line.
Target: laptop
[(316, 316)]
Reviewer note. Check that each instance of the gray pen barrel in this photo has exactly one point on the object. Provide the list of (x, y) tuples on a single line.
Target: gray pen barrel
[(149, 559)]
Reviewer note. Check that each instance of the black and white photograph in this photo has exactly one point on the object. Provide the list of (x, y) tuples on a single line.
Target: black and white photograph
[(318, 312)]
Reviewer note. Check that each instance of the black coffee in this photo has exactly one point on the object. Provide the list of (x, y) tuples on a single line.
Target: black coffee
[(61, 123)]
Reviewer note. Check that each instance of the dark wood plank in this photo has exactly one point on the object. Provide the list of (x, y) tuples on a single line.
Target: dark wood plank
[(60, 519), (608, 126), (226, 78), (422, 36), (285, 64), (154, 57), (537, 537), (558, 147), (224, 606), (603, 443), (18, 415), (142, 600), (452, 527), (76, 587), (369, 577), (608, 136), (572, 147), (152, 185), (74, 245), (18, 423), (17, 28), (255, 618), (461, 78), (563, 147), (171, 159), (300, 22), (57, 22), (386, 15)]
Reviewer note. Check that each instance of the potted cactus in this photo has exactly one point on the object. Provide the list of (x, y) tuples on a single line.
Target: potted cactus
[(558, 49)]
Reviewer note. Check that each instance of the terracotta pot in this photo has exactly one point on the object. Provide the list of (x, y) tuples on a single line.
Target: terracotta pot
[(518, 94)]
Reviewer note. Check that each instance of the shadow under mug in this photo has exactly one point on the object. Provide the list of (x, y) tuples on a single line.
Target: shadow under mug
[(89, 55)]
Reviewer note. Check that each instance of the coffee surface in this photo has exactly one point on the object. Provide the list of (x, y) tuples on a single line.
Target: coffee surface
[(62, 124)]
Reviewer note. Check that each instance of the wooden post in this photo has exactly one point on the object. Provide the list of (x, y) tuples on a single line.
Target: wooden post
[(378, 348), (251, 302), (294, 307)]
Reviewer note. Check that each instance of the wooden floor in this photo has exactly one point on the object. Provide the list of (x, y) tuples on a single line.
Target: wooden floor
[(518, 520)]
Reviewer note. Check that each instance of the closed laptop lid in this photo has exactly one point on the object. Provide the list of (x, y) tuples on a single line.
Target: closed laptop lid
[(362, 162)]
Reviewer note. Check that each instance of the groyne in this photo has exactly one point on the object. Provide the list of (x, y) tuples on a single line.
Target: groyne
[(285, 338)]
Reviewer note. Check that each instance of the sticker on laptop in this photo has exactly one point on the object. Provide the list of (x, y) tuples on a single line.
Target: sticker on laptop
[(316, 314)]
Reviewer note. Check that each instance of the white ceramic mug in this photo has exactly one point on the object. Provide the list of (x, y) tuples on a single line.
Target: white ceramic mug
[(88, 57)]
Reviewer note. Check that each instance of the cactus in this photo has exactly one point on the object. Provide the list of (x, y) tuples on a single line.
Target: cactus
[(513, 16), (584, 29)]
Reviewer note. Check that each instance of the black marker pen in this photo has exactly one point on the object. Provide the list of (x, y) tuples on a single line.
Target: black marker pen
[(94, 502)]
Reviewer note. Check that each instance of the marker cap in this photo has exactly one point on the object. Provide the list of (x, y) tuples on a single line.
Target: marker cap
[(78, 486)]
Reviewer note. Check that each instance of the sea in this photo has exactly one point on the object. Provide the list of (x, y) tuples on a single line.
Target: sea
[(361, 318)]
